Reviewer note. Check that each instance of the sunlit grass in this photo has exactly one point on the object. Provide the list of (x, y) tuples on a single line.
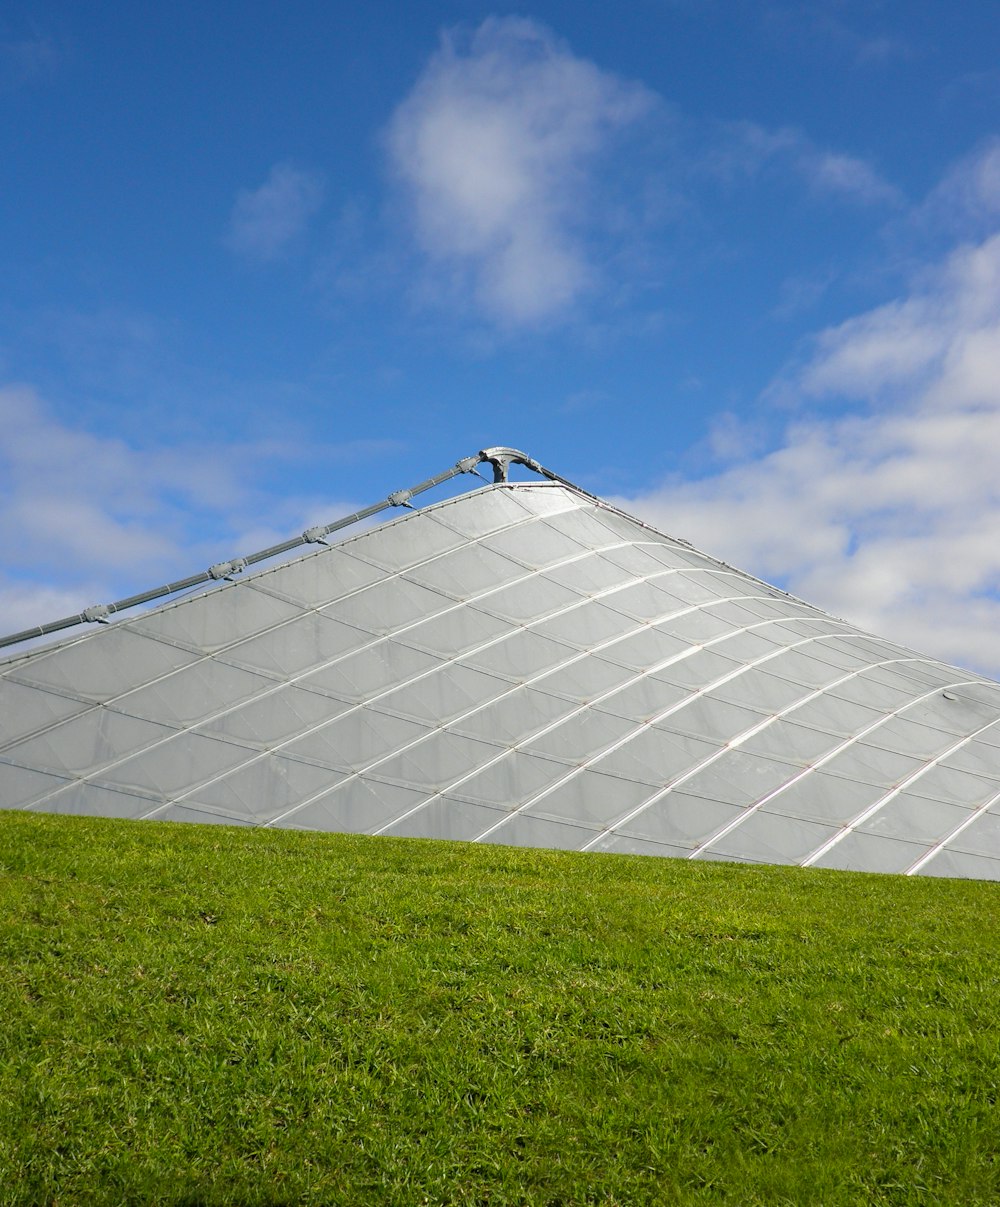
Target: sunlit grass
[(204, 1015)]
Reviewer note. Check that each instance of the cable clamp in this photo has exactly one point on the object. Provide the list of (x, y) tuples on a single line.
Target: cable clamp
[(228, 569)]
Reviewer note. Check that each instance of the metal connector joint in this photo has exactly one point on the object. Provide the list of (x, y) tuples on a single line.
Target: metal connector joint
[(501, 457), (227, 569)]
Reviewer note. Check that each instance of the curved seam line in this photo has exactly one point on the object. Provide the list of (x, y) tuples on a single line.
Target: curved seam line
[(736, 742), (904, 784), (661, 716)]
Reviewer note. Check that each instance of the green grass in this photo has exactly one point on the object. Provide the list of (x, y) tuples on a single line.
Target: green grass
[(203, 1015)]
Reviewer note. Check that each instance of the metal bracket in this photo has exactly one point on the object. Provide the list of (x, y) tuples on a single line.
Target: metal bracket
[(96, 614), (316, 535), (501, 458), (401, 498), (228, 569)]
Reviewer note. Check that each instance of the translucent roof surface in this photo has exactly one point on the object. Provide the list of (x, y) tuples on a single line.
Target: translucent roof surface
[(518, 665)]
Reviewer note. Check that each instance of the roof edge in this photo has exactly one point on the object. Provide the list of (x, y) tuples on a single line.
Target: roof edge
[(499, 457)]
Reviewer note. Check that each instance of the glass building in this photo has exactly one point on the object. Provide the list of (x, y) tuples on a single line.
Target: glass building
[(519, 664)]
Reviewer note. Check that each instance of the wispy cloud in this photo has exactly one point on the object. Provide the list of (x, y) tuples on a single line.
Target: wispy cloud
[(738, 151), (967, 201), (888, 514), (266, 220), (800, 293), (847, 176), (495, 148), (836, 29), (27, 60), (88, 516)]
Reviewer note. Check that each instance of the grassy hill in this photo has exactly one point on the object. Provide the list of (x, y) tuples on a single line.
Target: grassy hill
[(205, 1015)]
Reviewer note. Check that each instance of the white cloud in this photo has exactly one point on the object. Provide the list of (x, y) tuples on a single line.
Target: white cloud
[(266, 220), (968, 198), (53, 475), (86, 518), (847, 176), (495, 148), (890, 514), (738, 151), (504, 157)]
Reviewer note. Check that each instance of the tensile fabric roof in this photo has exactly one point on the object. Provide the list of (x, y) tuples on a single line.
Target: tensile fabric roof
[(520, 664)]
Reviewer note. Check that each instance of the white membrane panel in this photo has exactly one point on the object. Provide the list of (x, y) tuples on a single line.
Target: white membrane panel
[(521, 664)]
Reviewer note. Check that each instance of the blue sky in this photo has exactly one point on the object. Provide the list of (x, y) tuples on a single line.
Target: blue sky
[(736, 265)]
